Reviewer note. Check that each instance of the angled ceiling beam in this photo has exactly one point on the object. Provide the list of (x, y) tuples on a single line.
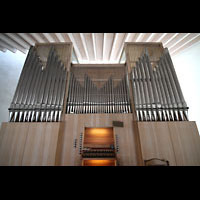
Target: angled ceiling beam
[(7, 46), (84, 45), (27, 38), (176, 39), (48, 37), (170, 39), (143, 37), (166, 38), (184, 41), (12, 43), (128, 37), (135, 37), (19, 40), (113, 46), (151, 36), (125, 39), (157, 37), (139, 37), (3, 49), (146, 37), (104, 41), (94, 46), (79, 57), (60, 37), (37, 37), (186, 45)]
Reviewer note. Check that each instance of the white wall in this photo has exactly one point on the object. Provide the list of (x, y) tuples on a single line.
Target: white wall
[(10, 69), (187, 66)]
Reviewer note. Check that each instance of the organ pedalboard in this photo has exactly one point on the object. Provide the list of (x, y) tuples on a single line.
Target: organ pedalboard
[(98, 153)]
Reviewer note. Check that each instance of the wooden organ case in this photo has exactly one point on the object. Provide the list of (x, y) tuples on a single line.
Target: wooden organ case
[(131, 114)]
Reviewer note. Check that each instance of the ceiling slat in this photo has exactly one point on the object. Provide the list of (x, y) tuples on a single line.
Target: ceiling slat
[(109, 37), (38, 37), (121, 46), (49, 37), (12, 43), (19, 40), (3, 49), (146, 37), (167, 37), (79, 56), (89, 46), (7, 46), (176, 39), (113, 46), (156, 37), (94, 46), (103, 49), (135, 37), (187, 45), (27, 37), (184, 41), (97, 47), (84, 45), (60, 37)]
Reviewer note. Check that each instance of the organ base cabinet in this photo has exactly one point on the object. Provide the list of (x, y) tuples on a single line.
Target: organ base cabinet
[(66, 143)]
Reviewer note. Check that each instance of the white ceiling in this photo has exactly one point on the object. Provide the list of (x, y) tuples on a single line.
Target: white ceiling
[(97, 47)]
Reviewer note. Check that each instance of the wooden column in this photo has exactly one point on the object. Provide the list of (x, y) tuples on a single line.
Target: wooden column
[(135, 124)]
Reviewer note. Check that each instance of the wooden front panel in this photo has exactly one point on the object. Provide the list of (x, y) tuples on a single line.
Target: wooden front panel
[(177, 142), (12, 143), (186, 143), (28, 144), (156, 141), (74, 125), (40, 148)]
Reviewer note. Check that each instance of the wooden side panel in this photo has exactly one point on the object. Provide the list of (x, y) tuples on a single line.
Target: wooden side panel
[(12, 143), (64, 50), (75, 125), (135, 49), (186, 143), (41, 144), (156, 142)]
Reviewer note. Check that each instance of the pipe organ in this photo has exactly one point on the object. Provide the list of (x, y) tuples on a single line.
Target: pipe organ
[(39, 95), (131, 114), (88, 98), (157, 93)]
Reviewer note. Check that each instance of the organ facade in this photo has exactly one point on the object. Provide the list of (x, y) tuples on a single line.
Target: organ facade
[(126, 114)]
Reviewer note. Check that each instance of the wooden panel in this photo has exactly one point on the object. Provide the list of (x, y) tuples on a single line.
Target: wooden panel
[(75, 125), (135, 50), (156, 141), (41, 144), (12, 142), (64, 50), (186, 142)]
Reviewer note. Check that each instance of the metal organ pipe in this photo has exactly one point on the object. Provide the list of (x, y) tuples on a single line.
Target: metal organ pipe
[(40, 91), (157, 93)]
